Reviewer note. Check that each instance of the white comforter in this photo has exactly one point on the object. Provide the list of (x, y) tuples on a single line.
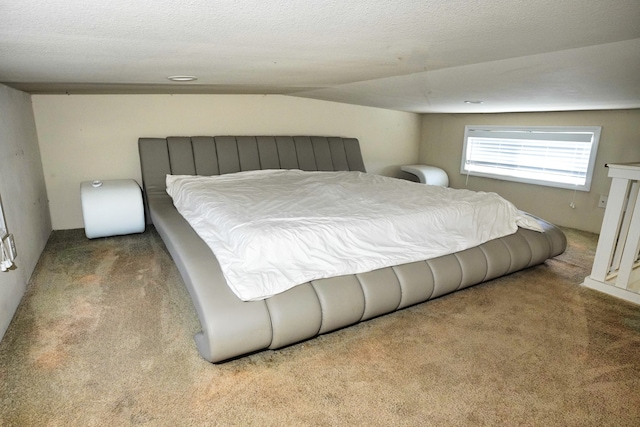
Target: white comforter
[(274, 229)]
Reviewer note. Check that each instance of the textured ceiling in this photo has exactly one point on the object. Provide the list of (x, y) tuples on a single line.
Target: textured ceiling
[(410, 55)]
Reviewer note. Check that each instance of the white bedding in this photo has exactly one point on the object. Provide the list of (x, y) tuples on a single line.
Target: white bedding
[(274, 229)]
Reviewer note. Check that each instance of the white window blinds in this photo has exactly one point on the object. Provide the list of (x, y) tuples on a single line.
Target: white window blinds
[(553, 156)]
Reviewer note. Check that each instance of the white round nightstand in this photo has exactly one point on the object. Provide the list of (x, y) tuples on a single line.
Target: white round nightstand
[(111, 208), (429, 175)]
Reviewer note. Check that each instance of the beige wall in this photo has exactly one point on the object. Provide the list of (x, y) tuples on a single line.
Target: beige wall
[(442, 142), (23, 194), (87, 137)]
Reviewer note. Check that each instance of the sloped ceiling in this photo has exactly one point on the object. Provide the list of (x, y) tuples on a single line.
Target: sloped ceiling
[(410, 55)]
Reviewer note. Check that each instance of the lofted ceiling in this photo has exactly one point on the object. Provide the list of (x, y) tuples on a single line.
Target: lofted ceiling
[(424, 56)]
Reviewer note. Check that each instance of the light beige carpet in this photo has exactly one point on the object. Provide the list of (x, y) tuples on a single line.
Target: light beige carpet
[(104, 338)]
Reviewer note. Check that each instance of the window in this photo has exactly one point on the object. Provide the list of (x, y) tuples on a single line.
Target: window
[(554, 156)]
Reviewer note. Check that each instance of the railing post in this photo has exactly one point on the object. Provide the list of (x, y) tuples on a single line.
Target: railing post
[(616, 267)]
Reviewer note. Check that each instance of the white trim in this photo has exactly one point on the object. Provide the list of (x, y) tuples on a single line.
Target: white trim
[(612, 290)]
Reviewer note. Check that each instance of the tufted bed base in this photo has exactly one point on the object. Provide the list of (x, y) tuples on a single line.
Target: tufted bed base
[(232, 327)]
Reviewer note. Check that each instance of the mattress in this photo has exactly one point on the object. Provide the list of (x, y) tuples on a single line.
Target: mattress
[(274, 229)]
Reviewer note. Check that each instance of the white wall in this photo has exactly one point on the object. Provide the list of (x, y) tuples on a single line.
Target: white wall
[(23, 194), (87, 137), (442, 142)]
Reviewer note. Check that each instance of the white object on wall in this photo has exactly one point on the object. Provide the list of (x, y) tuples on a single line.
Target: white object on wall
[(3, 225), (6, 256), (111, 208), (616, 267), (7, 245), (429, 175)]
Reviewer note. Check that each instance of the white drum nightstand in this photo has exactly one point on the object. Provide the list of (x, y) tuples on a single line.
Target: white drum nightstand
[(111, 208), (429, 175)]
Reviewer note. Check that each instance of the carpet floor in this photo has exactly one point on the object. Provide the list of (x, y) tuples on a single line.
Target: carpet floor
[(103, 337)]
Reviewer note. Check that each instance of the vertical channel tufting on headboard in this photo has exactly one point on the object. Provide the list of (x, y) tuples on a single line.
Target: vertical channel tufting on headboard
[(322, 153), (205, 156), (304, 152), (286, 152), (268, 152), (181, 155), (215, 155), (228, 159), (248, 153), (354, 156), (154, 164)]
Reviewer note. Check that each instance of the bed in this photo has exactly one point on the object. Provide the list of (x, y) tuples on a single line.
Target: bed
[(232, 327)]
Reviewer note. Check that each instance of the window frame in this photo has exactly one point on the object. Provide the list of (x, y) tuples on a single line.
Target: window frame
[(596, 130)]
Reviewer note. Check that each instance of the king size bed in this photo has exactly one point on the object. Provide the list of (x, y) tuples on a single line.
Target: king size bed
[(295, 305)]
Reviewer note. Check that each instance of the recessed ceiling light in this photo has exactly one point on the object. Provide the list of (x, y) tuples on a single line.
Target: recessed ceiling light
[(474, 102), (182, 78)]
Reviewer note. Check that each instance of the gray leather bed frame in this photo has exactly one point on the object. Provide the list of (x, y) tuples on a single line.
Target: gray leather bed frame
[(231, 327)]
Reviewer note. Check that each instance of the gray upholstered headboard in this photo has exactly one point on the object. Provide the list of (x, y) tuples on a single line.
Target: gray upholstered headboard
[(209, 155)]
